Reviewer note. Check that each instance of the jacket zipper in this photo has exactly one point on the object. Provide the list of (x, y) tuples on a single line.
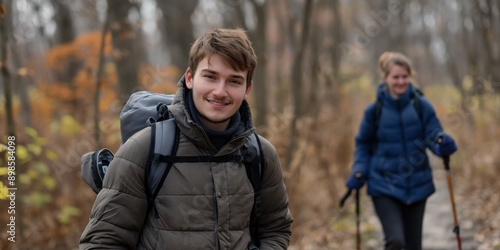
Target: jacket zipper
[(401, 126)]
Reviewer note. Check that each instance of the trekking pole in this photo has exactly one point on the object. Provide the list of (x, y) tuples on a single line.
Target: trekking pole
[(456, 229), (358, 233)]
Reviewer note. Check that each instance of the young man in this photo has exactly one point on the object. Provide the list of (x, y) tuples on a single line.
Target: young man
[(202, 205)]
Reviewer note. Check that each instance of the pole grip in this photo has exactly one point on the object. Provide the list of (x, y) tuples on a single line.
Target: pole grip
[(446, 161), (446, 158)]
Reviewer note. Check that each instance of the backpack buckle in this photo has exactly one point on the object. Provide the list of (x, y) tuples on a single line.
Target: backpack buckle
[(249, 153), (251, 246), (162, 110)]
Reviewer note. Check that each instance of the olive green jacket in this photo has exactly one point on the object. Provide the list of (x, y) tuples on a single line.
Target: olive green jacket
[(199, 206)]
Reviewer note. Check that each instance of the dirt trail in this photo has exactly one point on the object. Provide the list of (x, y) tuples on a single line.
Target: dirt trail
[(438, 220)]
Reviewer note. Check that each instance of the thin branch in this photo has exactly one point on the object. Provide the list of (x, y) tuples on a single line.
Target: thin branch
[(97, 134)]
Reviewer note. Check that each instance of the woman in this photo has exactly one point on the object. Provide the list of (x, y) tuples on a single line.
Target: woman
[(390, 153)]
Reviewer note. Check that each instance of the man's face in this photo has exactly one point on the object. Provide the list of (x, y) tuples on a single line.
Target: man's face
[(218, 91)]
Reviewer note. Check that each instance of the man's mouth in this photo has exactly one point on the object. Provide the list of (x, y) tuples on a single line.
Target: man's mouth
[(218, 103)]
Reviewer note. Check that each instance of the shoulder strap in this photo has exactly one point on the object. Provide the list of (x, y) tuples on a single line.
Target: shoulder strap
[(377, 113), (163, 143), (417, 93), (254, 164), (162, 155)]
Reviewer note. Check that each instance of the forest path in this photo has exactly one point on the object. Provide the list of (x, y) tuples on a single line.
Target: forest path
[(438, 219)]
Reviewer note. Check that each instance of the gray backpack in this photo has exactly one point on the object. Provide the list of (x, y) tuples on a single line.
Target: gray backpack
[(145, 108)]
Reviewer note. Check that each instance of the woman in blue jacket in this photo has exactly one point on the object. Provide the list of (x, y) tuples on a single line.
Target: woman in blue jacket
[(390, 153)]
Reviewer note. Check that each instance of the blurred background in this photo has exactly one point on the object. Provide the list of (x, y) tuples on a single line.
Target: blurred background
[(67, 67)]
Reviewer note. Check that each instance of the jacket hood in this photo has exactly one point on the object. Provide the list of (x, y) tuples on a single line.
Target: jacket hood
[(186, 124)]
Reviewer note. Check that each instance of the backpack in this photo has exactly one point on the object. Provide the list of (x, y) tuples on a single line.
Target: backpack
[(145, 108)]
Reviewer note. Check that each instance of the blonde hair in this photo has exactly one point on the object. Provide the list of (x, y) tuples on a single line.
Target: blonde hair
[(389, 59)]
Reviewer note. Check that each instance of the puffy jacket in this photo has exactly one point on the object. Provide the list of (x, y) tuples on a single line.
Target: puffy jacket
[(393, 158), (199, 206)]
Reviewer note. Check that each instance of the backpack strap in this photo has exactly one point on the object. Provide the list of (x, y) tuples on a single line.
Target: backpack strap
[(417, 93), (162, 155), (162, 144), (376, 121), (377, 114), (254, 164)]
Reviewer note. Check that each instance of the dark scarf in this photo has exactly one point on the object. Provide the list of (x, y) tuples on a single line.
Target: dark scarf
[(218, 138)]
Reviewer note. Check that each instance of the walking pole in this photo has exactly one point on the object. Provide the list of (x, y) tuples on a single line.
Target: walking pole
[(456, 229), (358, 233)]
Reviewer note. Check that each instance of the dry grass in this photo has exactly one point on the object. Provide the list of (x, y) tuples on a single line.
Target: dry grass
[(316, 182), (316, 177)]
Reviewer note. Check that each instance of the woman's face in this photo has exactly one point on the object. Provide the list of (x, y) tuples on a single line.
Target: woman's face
[(397, 80)]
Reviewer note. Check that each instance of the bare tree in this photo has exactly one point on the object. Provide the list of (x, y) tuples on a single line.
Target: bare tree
[(259, 39), (126, 47), (21, 76), (338, 35), (64, 34), (177, 29), (297, 81), (5, 17), (6, 75), (487, 23), (100, 66)]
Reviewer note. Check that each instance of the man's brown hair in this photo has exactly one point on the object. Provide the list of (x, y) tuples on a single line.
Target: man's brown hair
[(231, 44)]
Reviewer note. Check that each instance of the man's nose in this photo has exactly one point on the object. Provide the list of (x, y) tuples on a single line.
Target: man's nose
[(220, 88)]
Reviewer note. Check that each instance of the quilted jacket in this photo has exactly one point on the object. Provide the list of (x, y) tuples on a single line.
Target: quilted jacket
[(393, 157), (199, 206)]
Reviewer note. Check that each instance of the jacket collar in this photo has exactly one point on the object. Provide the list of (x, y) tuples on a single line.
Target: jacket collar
[(195, 132), (387, 99)]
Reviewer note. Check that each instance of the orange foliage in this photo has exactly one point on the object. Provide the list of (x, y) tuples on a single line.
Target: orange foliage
[(161, 80), (57, 57), (85, 84), (84, 52), (109, 102), (85, 48), (56, 91), (42, 109)]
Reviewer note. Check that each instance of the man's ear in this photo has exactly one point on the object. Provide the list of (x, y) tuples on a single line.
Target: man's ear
[(189, 78), (247, 92)]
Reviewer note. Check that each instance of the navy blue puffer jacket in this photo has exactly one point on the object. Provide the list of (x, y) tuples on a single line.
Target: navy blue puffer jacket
[(393, 159)]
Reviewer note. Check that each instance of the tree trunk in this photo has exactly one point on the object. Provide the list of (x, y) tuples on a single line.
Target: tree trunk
[(97, 130), (6, 6), (297, 82), (126, 49), (260, 90), (338, 35), (178, 29), (65, 34), (6, 76), (21, 75)]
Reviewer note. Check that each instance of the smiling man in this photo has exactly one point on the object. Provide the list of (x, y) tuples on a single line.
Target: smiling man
[(218, 91), (201, 205)]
